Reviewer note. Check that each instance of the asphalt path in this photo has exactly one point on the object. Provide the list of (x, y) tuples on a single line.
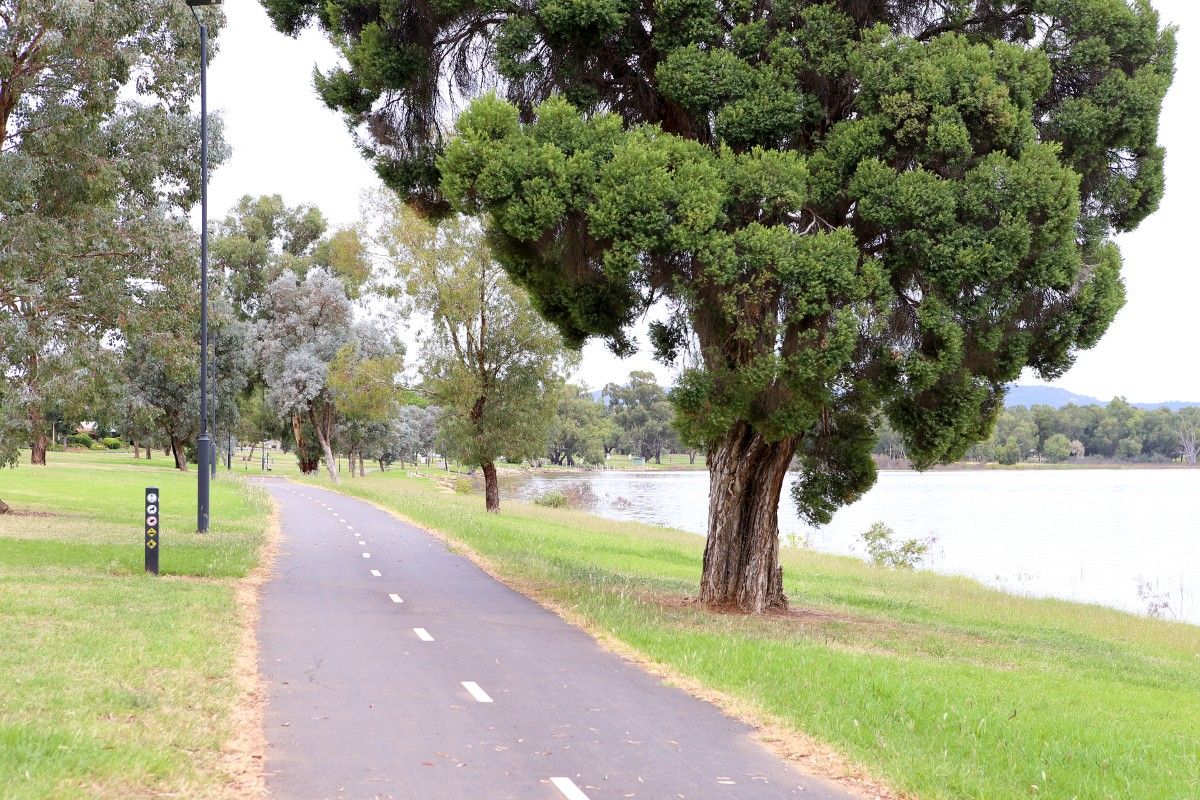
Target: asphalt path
[(395, 668)]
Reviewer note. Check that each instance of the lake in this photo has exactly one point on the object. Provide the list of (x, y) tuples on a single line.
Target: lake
[(1124, 538)]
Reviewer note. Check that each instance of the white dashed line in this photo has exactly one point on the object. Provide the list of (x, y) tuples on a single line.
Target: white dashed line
[(476, 692), (375, 572), (395, 598), (366, 555), (423, 634), (568, 788)]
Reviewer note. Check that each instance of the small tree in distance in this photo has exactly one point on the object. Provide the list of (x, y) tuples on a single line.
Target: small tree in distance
[(1057, 448), (489, 361)]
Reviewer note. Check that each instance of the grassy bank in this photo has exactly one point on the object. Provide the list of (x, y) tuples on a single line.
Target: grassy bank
[(940, 686), (115, 684)]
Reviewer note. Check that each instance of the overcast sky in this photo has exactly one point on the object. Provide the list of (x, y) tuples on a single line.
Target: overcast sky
[(285, 141)]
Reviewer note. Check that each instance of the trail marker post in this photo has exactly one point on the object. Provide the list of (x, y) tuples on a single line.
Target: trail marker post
[(152, 529)]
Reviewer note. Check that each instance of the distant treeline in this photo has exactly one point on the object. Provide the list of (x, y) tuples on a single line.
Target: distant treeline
[(1114, 432)]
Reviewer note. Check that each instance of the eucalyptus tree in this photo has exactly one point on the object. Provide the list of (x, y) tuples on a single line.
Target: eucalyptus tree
[(488, 360), (306, 323), (579, 428), (363, 382), (847, 207), (262, 236), (161, 352), (99, 152), (12, 431), (643, 412)]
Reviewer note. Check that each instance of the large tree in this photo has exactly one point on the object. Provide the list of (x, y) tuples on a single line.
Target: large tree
[(306, 323), (848, 206), (161, 351), (99, 152)]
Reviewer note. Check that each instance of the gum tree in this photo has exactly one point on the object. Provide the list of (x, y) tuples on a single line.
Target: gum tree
[(98, 160), (847, 207), (306, 323), (488, 360)]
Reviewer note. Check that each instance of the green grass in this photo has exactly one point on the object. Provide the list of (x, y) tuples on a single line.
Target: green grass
[(117, 684), (938, 685)]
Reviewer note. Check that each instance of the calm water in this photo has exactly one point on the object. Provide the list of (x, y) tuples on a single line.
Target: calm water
[(1116, 537)]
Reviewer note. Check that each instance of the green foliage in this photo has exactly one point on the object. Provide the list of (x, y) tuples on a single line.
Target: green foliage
[(112, 443), (261, 237), (886, 552), (845, 208), (1117, 431), (579, 428), (1010, 452), (643, 414), (489, 362), (100, 164), (1057, 448), (551, 500), (81, 440)]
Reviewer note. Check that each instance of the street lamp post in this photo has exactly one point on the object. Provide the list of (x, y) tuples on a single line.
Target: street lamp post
[(204, 451)]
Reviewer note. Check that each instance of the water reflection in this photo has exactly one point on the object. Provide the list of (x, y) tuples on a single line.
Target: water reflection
[(1125, 538)]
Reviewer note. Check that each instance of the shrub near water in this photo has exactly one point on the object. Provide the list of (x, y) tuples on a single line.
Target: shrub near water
[(886, 552)]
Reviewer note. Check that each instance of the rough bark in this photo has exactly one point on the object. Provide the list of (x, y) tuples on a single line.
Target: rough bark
[(741, 556), (4, 509), (491, 487), (137, 451), (180, 453), (37, 455)]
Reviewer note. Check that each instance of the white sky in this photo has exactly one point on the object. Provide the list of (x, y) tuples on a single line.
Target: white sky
[(285, 141)]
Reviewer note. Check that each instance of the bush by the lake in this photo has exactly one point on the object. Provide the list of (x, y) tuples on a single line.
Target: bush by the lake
[(885, 551), (578, 494), (551, 500)]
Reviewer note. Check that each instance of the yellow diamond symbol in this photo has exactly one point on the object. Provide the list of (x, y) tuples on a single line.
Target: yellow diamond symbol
[(151, 544)]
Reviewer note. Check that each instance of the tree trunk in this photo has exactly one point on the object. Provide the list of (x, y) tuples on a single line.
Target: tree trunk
[(491, 487), (180, 453), (741, 555), (37, 423), (331, 463), (149, 450), (137, 452), (4, 509)]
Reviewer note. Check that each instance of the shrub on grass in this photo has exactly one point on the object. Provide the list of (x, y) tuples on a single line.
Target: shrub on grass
[(464, 486), (111, 442), (886, 552), (80, 440)]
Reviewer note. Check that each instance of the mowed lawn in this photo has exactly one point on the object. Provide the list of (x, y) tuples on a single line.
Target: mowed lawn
[(114, 684), (937, 685)]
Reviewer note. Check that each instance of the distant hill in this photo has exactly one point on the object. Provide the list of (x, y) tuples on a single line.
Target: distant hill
[(1024, 395)]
